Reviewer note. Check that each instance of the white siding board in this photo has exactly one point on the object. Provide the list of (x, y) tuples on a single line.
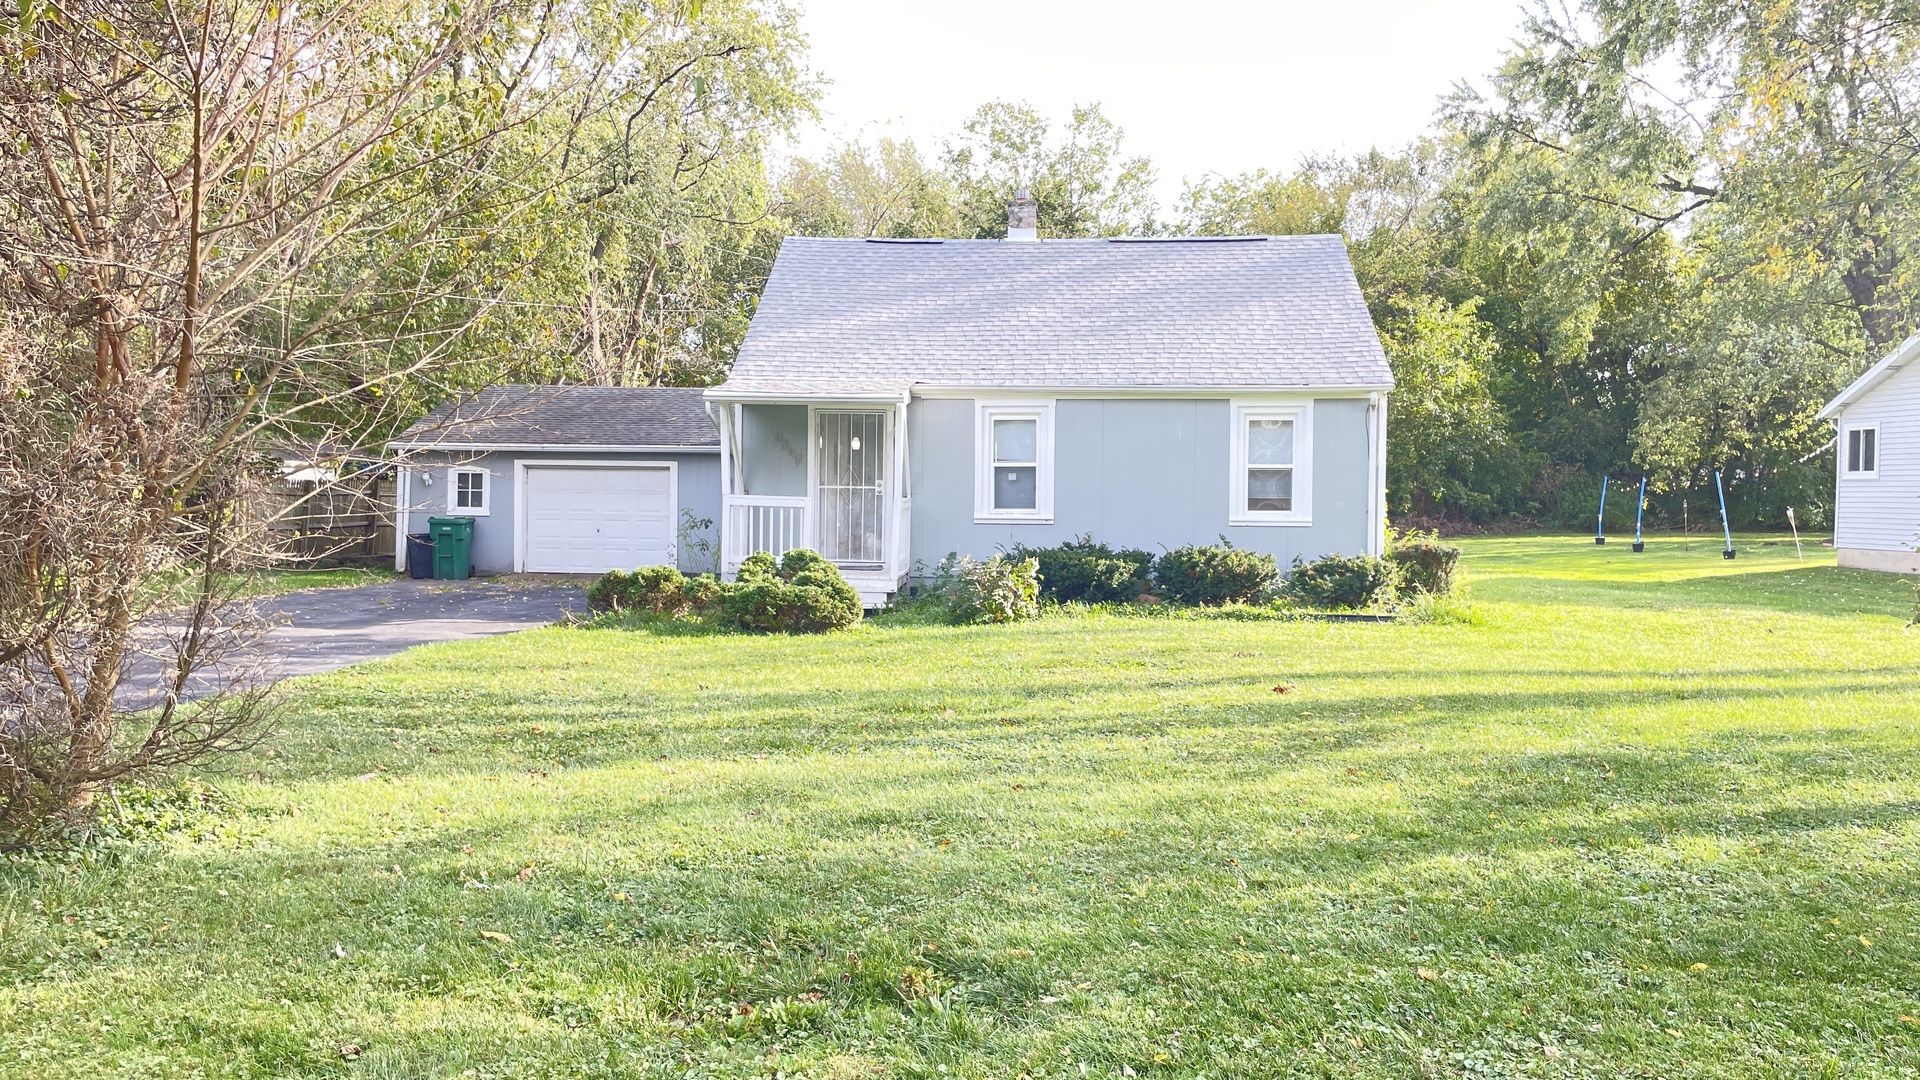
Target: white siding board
[(1882, 514)]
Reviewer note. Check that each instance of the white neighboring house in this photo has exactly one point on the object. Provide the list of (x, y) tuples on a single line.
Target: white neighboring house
[(1876, 507)]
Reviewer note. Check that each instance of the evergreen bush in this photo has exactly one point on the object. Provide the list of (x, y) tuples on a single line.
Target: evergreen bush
[(1424, 564), (1342, 581), (803, 593), (1088, 571), (1215, 575)]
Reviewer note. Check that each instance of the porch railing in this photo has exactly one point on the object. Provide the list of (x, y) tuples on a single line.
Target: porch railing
[(774, 524)]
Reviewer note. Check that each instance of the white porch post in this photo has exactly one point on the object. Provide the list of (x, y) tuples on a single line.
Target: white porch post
[(402, 488)]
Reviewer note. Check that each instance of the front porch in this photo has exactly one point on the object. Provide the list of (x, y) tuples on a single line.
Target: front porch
[(826, 473)]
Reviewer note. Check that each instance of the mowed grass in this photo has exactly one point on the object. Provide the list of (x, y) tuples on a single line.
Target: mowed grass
[(1645, 815)]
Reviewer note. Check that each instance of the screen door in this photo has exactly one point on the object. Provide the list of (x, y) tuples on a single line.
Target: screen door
[(850, 459)]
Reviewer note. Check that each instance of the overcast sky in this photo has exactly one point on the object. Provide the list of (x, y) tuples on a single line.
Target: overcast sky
[(1201, 86)]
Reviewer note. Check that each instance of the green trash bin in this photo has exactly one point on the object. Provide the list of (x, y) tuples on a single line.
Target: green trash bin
[(452, 547)]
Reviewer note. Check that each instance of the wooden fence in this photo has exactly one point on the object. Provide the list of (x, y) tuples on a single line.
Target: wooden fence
[(344, 522)]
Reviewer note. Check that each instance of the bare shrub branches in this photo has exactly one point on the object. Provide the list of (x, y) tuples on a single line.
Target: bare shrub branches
[(240, 225)]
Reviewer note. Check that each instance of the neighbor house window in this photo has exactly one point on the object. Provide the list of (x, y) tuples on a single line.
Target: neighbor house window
[(1862, 452), (1272, 475), (467, 491), (1014, 470)]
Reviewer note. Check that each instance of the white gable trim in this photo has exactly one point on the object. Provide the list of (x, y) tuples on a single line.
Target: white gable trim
[(1872, 377)]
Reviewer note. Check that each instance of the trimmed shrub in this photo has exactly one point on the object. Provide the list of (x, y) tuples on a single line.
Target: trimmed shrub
[(1341, 581), (1425, 565), (609, 593), (1088, 571), (803, 593), (656, 590), (1001, 589), (1215, 575)]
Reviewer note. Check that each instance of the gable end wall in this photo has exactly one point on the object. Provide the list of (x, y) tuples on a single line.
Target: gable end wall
[(1882, 514)]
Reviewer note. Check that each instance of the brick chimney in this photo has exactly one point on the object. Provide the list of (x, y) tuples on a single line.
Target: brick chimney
[(1023, 216)]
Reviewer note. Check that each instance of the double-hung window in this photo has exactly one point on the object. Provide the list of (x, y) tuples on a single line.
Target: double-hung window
[(1860, 455), (468, 492), (1272, 481), (1013, 471)]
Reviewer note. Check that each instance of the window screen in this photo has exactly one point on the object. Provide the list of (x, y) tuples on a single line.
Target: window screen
[(1862, 450), (1016, 463), (1269, 464)]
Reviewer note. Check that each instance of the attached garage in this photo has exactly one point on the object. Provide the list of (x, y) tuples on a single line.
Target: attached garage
[(569, 479), (588, 518)]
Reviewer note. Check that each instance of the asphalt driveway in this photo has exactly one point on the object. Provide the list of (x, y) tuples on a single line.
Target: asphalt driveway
[(309, 632)]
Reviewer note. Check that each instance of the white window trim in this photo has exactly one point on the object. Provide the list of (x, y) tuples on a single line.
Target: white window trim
[(1298, 410), (1846, 438), (985, 413), (453, 492)]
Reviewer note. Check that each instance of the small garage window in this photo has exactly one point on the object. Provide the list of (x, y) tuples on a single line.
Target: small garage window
[(469, 492), (1863, 453)]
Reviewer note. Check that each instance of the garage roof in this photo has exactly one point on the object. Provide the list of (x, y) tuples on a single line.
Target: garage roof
[(514, 417)]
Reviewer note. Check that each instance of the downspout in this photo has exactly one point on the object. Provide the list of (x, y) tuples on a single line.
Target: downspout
[(402, 494), (1377, 498)]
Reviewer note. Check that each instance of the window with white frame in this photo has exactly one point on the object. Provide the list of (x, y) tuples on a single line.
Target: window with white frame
[(1014, 468), (1272, 463), (469, 492), (1862, 452)]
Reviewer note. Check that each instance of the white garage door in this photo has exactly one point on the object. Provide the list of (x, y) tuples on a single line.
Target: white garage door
[(591, 520)]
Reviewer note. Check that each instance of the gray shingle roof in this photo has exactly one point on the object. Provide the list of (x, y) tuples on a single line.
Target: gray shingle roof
[(1247, 311), (565, 416)]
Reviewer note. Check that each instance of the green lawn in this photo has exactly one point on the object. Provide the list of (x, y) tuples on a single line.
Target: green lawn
[(1643, 815)]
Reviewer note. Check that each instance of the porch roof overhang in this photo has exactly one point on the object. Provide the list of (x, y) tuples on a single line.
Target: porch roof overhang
[(743, 390)]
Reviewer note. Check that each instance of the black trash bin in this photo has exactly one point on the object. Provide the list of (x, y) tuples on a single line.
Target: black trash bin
[(419, 555)]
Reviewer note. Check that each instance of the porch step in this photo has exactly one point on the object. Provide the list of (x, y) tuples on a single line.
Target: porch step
[(876, 589)]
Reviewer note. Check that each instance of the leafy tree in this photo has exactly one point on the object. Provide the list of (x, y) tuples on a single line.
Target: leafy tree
[(1083, 182), (1445, 428), (886, 190), (1743, 233)]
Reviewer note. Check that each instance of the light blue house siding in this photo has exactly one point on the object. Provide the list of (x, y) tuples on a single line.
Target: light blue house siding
[(773, 449), (698, 484), (1137, 472)]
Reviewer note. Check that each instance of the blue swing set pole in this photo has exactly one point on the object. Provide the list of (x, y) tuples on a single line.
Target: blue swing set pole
[(1600, 522), (1640, 511), (1725, 528)]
